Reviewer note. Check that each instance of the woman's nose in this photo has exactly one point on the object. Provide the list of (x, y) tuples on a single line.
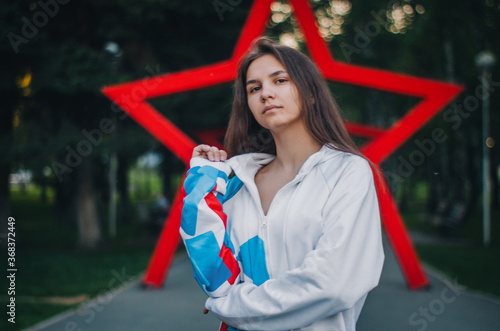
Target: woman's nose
[(267, 92)]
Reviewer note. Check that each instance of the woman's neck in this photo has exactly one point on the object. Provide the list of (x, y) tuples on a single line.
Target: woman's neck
[(293, 148)]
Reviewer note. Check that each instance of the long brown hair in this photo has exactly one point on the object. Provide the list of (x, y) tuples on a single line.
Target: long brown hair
[(318, 108)]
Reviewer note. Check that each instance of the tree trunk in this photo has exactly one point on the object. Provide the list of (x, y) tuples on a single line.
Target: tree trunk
[(122, 186), (494, 181), (405, 189), (64, 199), (432, 179), (167, 170), (43, 188), (473, 169), (89, 232), (431, 203)]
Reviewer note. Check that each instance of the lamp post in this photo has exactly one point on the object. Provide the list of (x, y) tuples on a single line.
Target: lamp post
[(113, 49), (484, 61)]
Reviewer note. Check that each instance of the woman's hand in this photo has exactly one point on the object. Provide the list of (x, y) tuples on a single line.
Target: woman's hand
[(210, 153)]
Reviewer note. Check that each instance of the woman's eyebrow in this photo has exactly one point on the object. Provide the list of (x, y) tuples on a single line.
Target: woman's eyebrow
[(276, 73)]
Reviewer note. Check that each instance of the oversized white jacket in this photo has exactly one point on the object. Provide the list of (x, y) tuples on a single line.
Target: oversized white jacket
[(306, 265)]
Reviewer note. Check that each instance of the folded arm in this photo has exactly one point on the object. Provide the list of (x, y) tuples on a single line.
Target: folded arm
[(203, 227)]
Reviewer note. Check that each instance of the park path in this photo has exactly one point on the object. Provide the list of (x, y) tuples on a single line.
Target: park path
[(446, 306)]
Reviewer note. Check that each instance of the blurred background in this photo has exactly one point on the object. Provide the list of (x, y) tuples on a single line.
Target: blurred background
[(89, 188)]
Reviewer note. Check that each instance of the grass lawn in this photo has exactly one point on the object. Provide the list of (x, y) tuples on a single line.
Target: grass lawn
[(47, 278), (473, 265), (52, 276), (477, 268)]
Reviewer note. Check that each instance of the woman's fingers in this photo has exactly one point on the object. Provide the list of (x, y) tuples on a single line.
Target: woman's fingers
[(200, 151), (205, 310), (214, 154), (223, 155), (211, 153)]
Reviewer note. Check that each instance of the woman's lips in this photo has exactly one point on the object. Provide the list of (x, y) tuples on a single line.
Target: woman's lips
[(270, 107)]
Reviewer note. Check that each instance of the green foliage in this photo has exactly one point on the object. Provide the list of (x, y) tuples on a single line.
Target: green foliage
[(145, 183)]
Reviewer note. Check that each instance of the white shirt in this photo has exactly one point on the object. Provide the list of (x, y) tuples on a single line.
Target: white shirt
[(306, 265)]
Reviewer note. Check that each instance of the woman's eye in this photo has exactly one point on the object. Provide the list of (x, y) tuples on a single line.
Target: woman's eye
[(253, 89), (280, 80)]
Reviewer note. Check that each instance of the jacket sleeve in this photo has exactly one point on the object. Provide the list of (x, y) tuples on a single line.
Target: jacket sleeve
[(203, 227), (344, 266)]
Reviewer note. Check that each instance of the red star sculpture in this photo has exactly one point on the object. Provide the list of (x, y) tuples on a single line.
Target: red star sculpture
[(434, 96)]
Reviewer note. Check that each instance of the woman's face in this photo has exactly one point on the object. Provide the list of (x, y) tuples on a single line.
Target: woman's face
[(272, 97)]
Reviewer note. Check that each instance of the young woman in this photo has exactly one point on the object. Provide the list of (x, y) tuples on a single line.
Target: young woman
[(285, 234)]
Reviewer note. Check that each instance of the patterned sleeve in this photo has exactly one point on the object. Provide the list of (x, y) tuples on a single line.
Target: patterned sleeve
[(203, 227)]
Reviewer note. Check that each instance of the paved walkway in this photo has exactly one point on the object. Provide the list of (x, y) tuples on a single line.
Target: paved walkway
[(446, 306)]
